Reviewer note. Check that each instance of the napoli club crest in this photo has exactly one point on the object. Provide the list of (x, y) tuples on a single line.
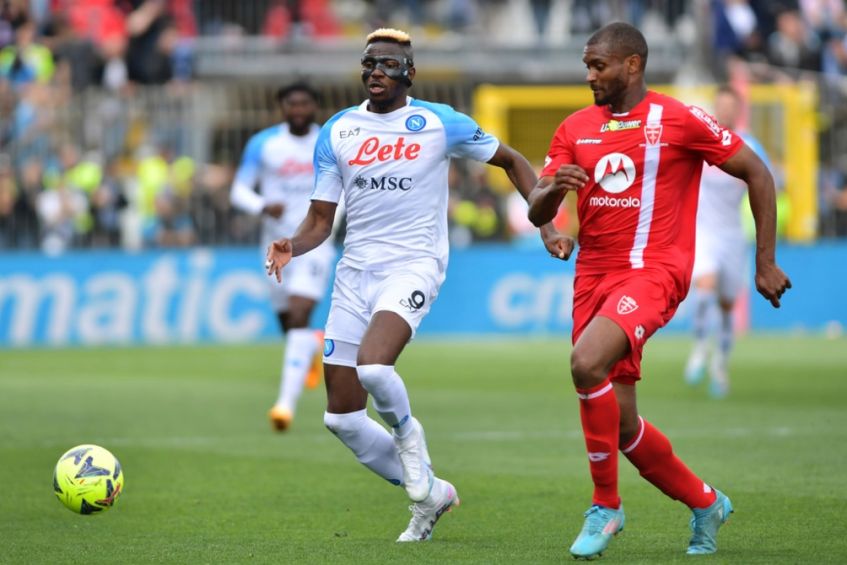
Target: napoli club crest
[(415, 122)]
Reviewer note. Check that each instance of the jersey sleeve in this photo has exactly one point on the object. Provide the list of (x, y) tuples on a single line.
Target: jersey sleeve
[(708, 139), (328, 180), (251, 162), (243, 195), (560, 152), (465, 139)]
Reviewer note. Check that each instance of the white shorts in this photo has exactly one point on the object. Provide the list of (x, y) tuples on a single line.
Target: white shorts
[(408, 291), (306, 276), (726, 258)]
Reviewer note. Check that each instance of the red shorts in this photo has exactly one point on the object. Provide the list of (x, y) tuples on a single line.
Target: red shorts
[(640, 302)]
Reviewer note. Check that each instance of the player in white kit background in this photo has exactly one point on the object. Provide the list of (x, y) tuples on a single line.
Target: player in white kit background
[(279, 160), (388, 158), (720, 258)]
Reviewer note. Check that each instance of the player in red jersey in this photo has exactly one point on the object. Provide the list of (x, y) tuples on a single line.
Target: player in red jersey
[(634, 160)]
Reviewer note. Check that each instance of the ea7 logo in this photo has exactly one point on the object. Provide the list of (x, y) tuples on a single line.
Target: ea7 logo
[(627, 305), (345, 133)]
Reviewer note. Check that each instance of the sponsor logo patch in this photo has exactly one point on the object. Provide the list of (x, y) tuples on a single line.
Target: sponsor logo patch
[(588, 141), (402, 184), (614, 172), (607, 201), (620, 125), (372, 150)]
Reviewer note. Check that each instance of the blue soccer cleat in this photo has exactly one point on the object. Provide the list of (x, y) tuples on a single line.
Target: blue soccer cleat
[(601, 524), (705, 524)]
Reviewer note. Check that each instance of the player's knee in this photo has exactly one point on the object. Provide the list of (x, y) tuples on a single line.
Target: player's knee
[(345, 426), (374, 377), (586, 370)]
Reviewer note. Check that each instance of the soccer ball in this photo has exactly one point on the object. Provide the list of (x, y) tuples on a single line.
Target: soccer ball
[(88, 479)]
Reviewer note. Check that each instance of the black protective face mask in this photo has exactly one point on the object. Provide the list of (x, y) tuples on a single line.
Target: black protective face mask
[(398, 71)]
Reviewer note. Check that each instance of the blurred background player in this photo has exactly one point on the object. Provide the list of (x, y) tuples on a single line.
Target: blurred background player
[(637, 213), (279, 158), (720, 256), (389, 158)]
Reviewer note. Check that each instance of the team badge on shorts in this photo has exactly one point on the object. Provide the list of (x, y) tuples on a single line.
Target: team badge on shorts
[(329, 347), (627, 305), (415, 122), (415, 301)]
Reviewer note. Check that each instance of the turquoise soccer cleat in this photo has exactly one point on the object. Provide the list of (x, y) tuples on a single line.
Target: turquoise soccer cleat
[(600, 525), (705, 524)]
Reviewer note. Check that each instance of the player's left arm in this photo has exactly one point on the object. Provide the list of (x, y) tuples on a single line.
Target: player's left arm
[(523, 178), (771, 282)]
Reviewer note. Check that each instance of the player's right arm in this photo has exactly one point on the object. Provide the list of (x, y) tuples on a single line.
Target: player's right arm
[(242, 195), (547, 196), (559, 176)]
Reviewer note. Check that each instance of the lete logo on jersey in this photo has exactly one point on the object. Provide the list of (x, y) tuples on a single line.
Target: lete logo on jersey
[(614, 172), (372, 150)]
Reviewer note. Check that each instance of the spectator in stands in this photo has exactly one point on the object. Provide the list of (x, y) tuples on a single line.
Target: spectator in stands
[(8, 201), (26, 61), (153, 42), (794, 46)]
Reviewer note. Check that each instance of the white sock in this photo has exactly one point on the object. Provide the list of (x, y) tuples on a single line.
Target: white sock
[(726, 336), (391, 400), (705, 303), (372, 445), (300, 346)]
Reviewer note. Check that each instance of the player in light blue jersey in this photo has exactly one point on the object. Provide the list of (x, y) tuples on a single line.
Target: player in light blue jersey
[(720, 258), (387, 160), (279, 160)]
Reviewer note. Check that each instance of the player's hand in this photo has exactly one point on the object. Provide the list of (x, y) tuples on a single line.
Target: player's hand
[(771, 282), (569, 177), (274, 210), (558, 245), (279, 254)]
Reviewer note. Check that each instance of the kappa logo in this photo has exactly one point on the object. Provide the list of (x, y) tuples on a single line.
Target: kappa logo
[(653, 133), (614, 172), (627, 305)]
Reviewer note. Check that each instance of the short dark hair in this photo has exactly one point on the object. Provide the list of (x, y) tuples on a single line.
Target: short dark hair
[(299, 86), (623, 38)]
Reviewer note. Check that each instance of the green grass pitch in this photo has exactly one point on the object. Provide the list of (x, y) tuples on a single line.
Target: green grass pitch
[(208, 482)]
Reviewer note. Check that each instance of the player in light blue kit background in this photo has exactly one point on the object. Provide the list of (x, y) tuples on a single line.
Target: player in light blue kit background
[(279, 160), (387, 160), (720, 258)]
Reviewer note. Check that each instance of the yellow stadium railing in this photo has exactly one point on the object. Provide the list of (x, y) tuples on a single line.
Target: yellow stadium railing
[(782, 117)]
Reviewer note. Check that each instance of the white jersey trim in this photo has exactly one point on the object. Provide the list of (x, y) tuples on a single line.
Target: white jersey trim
[(648, 190)]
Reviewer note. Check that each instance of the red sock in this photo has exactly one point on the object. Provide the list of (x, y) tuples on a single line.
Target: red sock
[(653, 456), (600, 413)]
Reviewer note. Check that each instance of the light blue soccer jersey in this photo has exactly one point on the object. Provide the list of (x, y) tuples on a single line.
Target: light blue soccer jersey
[(392, 171), (719, 207), (282, 165)]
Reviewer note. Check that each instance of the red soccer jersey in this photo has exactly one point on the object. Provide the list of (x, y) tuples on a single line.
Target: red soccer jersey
[(640, 205)]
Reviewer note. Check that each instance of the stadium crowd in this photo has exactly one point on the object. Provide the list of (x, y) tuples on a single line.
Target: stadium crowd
[(81, 165)]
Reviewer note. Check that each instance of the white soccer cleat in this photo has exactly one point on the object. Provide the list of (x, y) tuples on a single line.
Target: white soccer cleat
[(425, 514), (695, 368), (414, 458)]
